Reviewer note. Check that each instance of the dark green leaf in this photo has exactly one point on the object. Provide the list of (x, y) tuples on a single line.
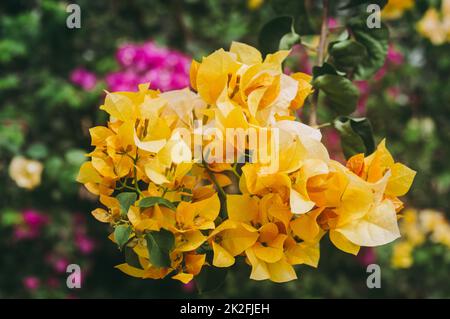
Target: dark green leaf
[(295, 9), (355, 3), (326, 68), (277, 33), (126, 199), (131, 258), (341, 94), (152, 201), (210, 278), (159, 244), (122, 234), (356, 135), (376, 43), (347, 54)]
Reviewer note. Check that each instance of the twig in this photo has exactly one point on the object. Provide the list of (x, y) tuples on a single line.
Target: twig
[(320, 59)]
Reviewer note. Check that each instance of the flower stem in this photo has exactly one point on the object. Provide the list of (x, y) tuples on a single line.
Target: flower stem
[(320, 59), (222, 194)]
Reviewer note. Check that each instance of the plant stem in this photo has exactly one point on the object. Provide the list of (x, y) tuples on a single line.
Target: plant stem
[(222, 194), (320, 59)]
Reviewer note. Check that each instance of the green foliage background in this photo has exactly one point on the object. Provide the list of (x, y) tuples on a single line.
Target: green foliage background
[(44, 116)]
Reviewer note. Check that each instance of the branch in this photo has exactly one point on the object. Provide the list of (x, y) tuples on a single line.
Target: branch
[(320, 59)]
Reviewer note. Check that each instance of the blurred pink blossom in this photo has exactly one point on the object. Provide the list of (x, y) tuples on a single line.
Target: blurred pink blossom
[(31, 282), (366, 256), (34, 219), (165, 69), (83, 78), (84, 244), (30, 228)]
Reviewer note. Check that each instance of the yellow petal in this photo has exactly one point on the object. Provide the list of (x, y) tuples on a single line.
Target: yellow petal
[(222, 258), (212, 74), (343, 243), (307, 253), (191, 241), (88, 174), (259, 268), (245, 53), (131, 271), (101, 215), (299, 204), (306, 226), (238, 239), (183, 277), (243, 208), (267, 254), (400, 180), (378, 227), (99, 135), (281, 271)]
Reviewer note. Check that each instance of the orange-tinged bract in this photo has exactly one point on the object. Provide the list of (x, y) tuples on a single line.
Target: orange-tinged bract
[(177, 210)]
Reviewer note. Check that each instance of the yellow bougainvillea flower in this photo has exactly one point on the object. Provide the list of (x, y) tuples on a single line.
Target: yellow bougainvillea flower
[(416, 227), (402, 255), (435, 25), (394, 9), (164, 179), (25, 172), (254, 4), (193, 264)]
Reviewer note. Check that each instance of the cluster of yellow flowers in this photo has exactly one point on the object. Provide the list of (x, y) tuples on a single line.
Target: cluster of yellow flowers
[(173, 209), (394, 9), (415, 228), (435, 25)]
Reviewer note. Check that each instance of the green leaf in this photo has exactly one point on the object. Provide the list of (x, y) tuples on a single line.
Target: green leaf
[(341, 94), (210, 278), (10, 217), (376, 42), (159, 245), (278, 34), (289, 40), (295, 9), (126, 199), (152, 201), (347, 54), (131, 258), (355, 3), (122, 234), (37, 151), (356, 135), (326, 68), (75, 157)]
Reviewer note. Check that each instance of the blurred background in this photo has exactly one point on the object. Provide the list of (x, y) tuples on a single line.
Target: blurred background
[(52, 81)]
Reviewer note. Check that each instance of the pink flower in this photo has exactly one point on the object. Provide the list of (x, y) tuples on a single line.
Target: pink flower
[(366, 256), (84, 244), (165, 69), (395, 57), (126, 54), (332, 23), (60, 265), (83, 78), (31, 282), (34, 219), (31, 226)]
